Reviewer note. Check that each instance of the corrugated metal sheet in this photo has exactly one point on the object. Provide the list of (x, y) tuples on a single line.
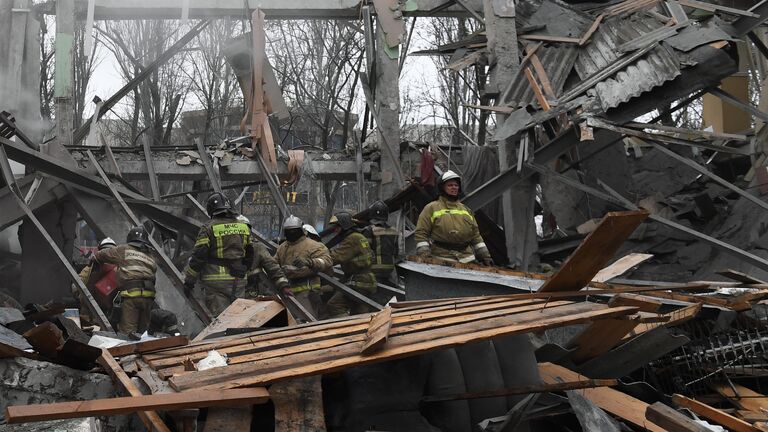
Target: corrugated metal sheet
[(558, 61), (654, 69)]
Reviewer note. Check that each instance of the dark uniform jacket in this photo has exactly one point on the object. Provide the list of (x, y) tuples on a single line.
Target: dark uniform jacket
[(222, 252), (355, 256), (136, 269)]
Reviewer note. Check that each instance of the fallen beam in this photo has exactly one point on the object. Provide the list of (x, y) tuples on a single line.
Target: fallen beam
[(131, 404), (714, 414), (151, 419)]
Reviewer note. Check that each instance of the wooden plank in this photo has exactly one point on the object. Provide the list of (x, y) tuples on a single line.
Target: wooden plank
[(714, 414), (148, 346), (612, 401), (131, 404), (676, 317), (621, 266), (259, 350), (537, 388), (318, 362), (595, 251), (672, 420), (355, 324), (741, 277), (643, 303), (592, 29), (599, 338), (537, 90), (228, 419), (541, 73), (151, 419), (242, 313), (709, 7), (378, 331), (298, 405), (548, 38), (744, 398)]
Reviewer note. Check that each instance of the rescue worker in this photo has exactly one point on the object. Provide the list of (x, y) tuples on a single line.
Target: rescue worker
[(98, 273), (447, 229), (301, 259), (222, 256), (384, 242), (355, 256), (136, 270), (311, 232), (262, 260)]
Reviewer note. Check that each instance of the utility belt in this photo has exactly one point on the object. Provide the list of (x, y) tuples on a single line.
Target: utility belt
[(236, 268), (304, 284), (138, 288), (458, 247)]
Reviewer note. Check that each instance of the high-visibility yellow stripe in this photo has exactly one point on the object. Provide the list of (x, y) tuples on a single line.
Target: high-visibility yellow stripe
[(202, 242), (137, 293), (459, 212)]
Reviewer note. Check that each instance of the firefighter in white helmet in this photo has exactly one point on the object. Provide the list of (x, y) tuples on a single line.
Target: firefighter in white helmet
[(447, 228), (301, 259)]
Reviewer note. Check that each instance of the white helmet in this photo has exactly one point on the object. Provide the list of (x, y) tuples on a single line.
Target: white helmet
[(309, 229), (243, 219), (292, 222), (107, 243), (449, 175)]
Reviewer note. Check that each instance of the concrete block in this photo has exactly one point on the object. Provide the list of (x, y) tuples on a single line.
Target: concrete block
[(24, 381), (8, 314)]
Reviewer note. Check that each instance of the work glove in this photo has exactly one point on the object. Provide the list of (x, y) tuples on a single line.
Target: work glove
[(303, 262), (487, 261), (287, 291), (423, 251), (189, 287)]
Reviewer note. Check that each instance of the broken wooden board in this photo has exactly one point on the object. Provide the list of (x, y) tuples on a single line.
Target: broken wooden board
[(676, 317), (298, 405), (744, 398), (151, 419), (643, 303), (741, 277), (242, 313), (720, 417), (595, 251), (270, 358), (46, 339), (672, 420), (378, 331), (131, 404), (147, 346), (621, 266), (613, 401)]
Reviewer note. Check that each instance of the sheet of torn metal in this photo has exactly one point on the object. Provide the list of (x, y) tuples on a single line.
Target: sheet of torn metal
[(656, 67), (698, 34), (557, 60)]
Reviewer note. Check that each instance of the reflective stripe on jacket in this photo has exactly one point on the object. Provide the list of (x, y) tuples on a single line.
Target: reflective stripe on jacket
[(220, 240)]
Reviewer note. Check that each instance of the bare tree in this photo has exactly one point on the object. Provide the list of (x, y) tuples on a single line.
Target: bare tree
[(318, 68), (213, 83), (154, 106)]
